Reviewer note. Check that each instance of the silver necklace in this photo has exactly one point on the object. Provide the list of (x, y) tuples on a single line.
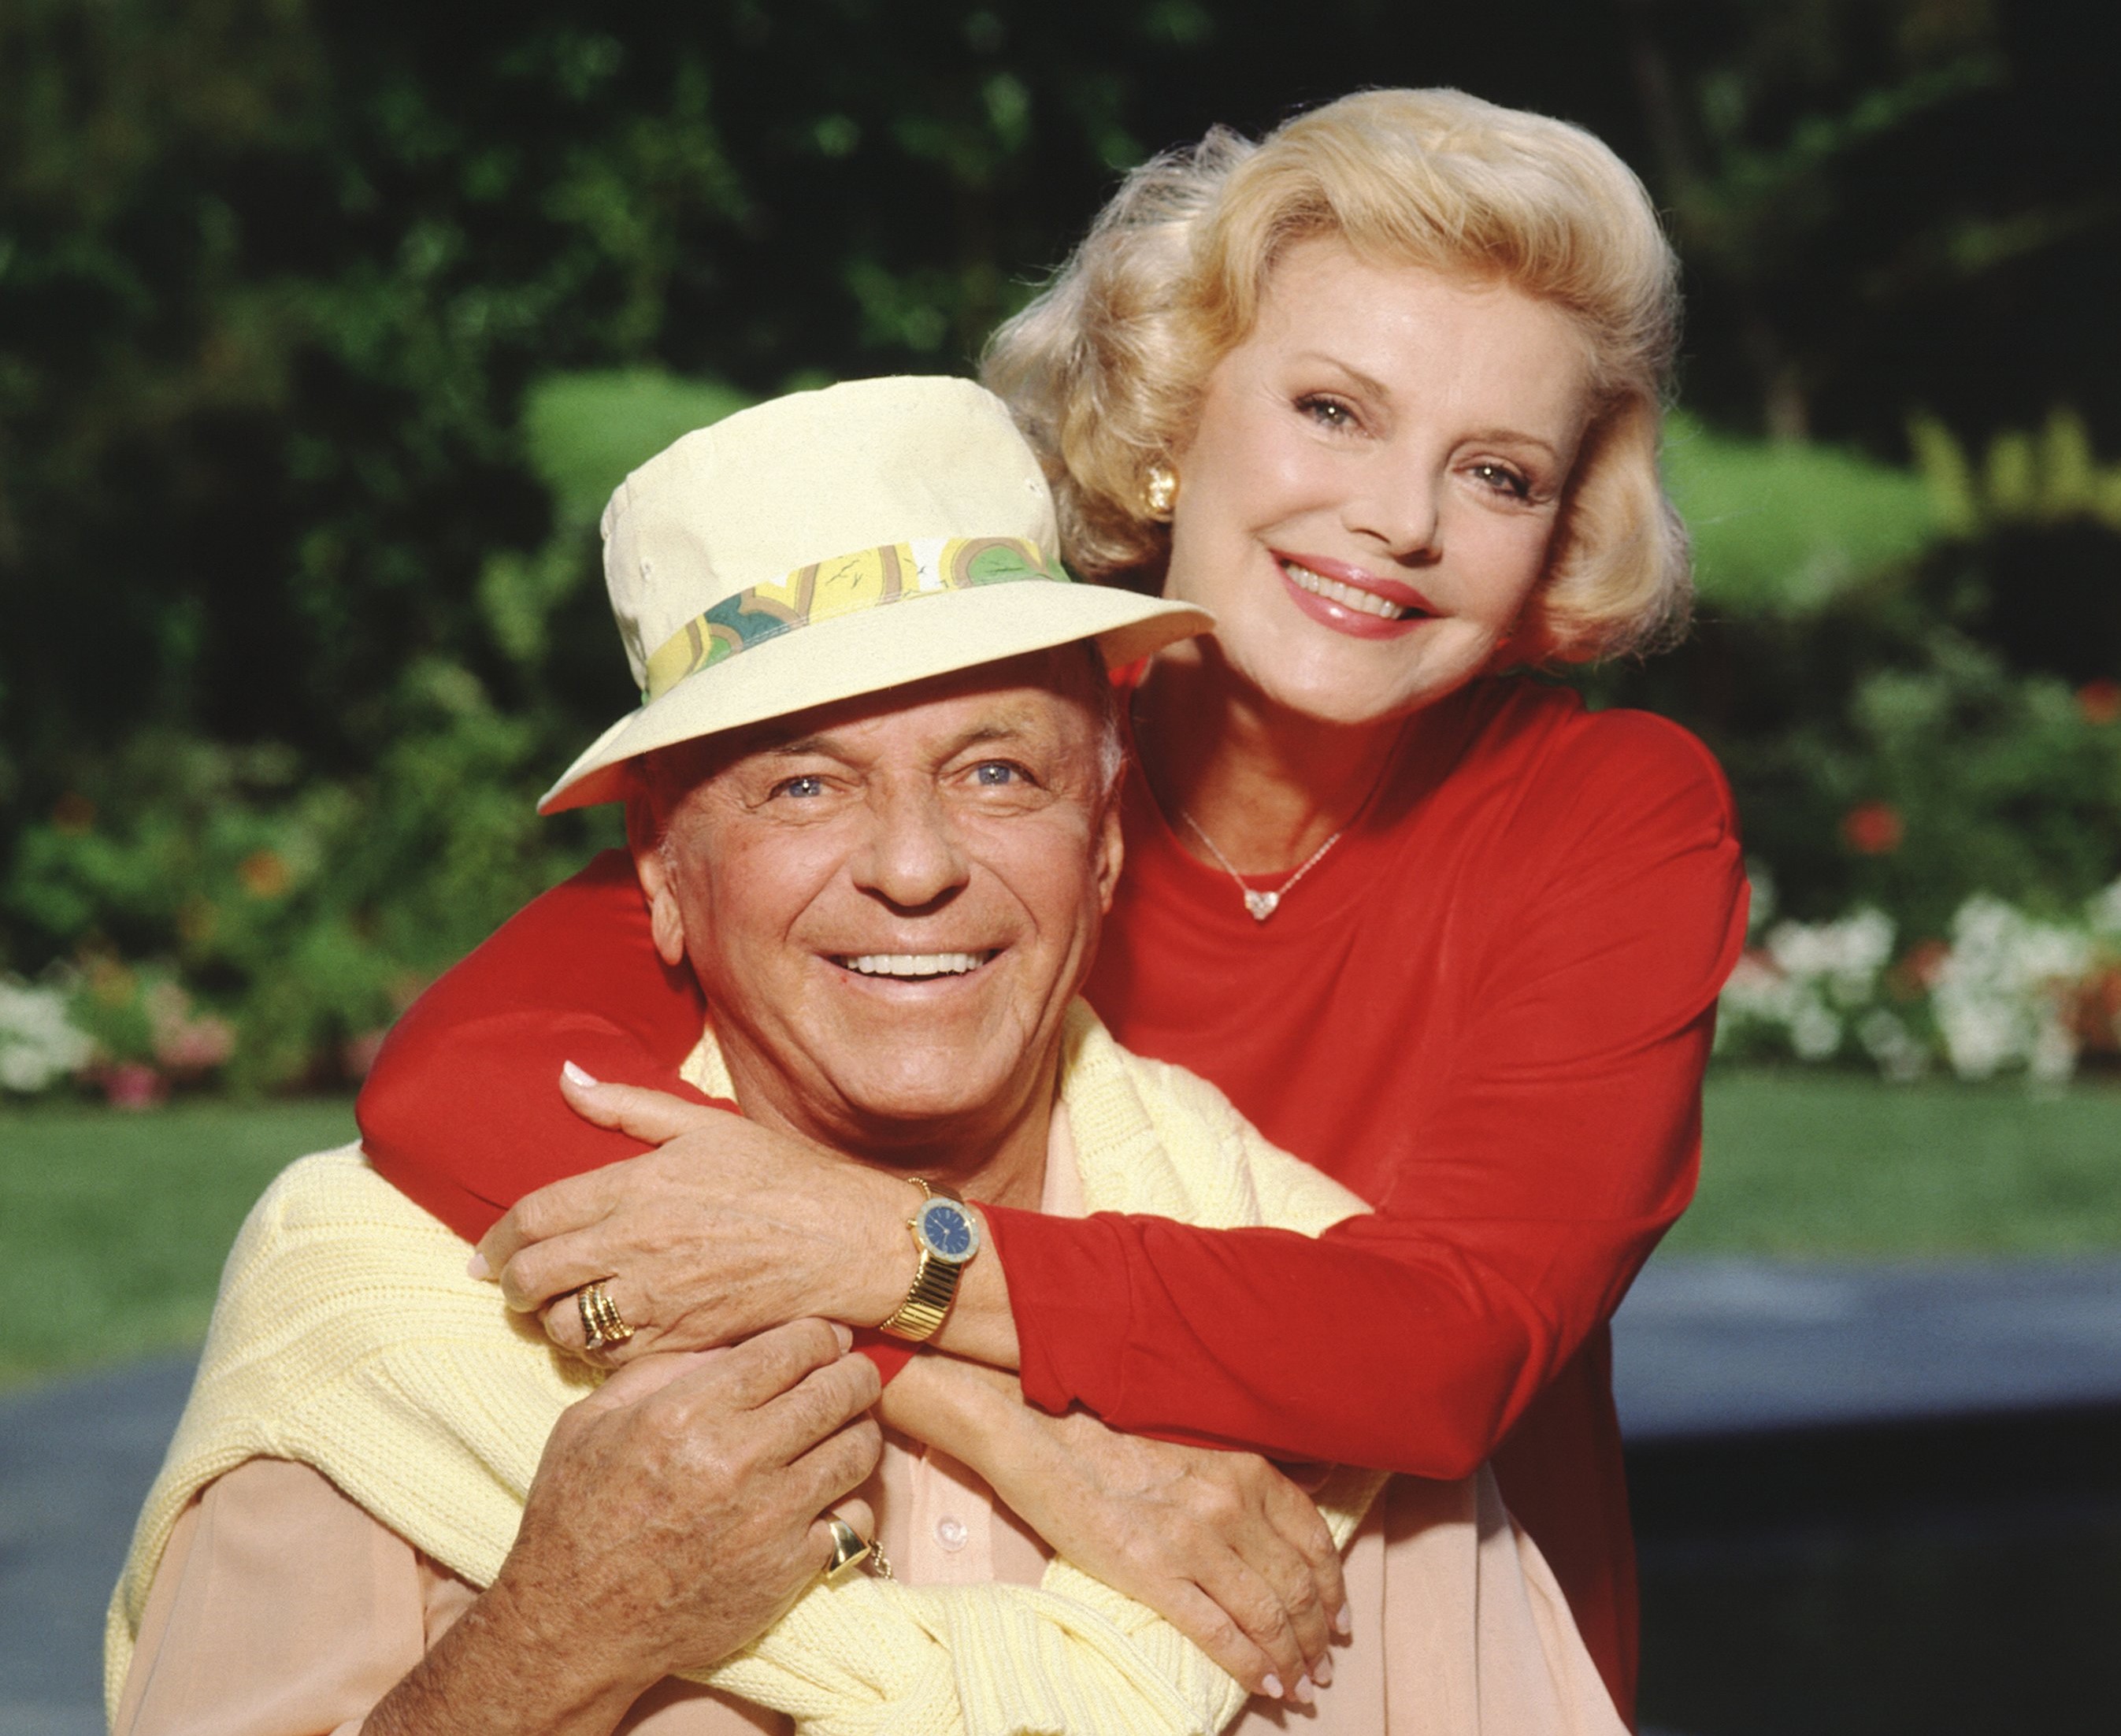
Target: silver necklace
[(1262, 904)]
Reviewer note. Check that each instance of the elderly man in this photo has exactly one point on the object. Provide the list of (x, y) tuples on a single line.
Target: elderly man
[(869, 802)]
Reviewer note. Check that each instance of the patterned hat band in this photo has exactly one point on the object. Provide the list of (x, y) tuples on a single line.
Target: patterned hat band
[(845, 585)]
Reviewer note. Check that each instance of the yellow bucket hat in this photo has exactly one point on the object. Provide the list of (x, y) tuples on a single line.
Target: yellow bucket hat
[(836, 543)]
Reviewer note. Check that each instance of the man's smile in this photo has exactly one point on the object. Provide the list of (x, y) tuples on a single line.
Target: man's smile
[(914, 966)]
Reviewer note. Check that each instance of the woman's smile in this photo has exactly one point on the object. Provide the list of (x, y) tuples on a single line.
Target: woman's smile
[(1351, 600)]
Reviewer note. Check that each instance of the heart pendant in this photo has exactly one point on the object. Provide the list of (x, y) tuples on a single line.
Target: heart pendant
[(1262, 904)]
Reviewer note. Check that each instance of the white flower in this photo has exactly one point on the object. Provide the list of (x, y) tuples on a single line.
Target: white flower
[(1998, 995), (1887, 1040), (2104, 913), (1815, 1032), (1760, 910), (1842, 959), (37, 1043)]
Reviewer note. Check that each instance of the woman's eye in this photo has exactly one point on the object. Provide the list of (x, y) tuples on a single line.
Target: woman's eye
[(1328, 413), (1504, 480)]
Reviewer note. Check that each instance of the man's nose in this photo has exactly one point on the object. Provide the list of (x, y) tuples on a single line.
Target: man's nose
[(912, 858)]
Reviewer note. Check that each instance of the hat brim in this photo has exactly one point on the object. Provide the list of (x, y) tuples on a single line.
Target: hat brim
[(871, 652)]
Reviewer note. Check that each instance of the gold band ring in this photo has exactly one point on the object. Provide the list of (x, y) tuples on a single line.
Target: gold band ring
[(603, 1326), (849, 1550)]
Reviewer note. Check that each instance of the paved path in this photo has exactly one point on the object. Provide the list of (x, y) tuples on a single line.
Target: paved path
[(76, 1459), (1701, 1348), (1705, 1347)]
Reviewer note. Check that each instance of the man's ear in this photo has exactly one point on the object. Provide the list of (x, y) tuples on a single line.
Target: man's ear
[(644, 838), (1111, 854)]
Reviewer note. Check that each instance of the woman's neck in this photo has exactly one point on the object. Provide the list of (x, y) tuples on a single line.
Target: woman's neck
[(1269, 785)]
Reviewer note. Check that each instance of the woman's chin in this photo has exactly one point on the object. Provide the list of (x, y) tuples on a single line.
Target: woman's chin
[(1329, 692)]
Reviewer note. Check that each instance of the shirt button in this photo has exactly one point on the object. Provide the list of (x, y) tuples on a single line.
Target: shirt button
[(951, 1533)]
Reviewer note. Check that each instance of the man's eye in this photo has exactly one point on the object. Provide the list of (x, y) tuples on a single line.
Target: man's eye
[(995, 774), (800, 787)]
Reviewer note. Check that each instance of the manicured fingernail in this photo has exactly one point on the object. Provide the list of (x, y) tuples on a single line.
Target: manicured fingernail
[(475, 1266), (1321, 1673), (844, 1334), (1344, 1624), (1271, 1688), (1305, 1694), (576, 1075)]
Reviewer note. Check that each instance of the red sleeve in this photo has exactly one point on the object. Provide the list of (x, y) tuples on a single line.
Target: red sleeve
[(462, 1111), (1554, 1148)]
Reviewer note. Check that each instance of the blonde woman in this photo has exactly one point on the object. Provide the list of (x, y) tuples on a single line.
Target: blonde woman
[(1383, 392)]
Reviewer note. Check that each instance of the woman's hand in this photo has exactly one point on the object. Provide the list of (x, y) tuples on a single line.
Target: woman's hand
[(1221, 1544), (727, 1229)]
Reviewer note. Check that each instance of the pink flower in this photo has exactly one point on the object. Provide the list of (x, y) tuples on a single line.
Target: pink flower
[(196, 1046), (358, 1056), (132, 1084), (186, 1042)]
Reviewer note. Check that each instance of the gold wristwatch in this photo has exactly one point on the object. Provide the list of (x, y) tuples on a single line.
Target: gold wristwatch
[(946, 1236)]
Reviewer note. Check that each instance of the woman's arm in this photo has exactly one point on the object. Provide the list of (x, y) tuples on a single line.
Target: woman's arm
[(1550, 1161), (1222, 1545), (462, 1110), (1546, 1159)]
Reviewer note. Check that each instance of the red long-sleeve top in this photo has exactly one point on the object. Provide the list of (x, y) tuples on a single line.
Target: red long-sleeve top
[(1487, 1010)]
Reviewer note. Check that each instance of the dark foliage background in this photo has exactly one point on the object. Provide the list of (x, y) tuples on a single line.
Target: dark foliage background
[(322, 326)]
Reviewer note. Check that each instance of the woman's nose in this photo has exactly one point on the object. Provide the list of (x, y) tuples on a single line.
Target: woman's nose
[(1399, 506), (912, 858)]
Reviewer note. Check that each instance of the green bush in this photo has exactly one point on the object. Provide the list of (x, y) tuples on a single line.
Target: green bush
[(305, 910), (190, 889), (1914, 693)]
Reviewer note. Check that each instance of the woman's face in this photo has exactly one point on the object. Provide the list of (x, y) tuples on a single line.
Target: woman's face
[(1367, 501)]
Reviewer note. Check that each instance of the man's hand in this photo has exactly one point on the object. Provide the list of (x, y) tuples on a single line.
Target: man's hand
[(726, 1229), (729, 1229), (675, 1515), (1222, 1545)]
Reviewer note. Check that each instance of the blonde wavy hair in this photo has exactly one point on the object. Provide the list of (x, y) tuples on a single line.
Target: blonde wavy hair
[(1105, 369)]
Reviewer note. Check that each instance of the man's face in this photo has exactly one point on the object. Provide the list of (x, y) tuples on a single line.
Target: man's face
[(889, 902)]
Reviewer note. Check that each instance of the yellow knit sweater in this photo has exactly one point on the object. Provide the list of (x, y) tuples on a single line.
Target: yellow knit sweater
[(348, 1337)]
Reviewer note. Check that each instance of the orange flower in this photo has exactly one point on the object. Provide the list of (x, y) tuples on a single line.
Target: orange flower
[(1917, 973), (2095, 1011), (2099, 701), (1872, 829), (73, 813), (263, 873)]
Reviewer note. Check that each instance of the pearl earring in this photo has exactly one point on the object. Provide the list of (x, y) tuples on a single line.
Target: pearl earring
[(1159, 492)]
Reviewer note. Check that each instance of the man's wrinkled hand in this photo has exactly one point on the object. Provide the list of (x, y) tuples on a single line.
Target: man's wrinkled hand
[(729, 1228), (676, 1512)]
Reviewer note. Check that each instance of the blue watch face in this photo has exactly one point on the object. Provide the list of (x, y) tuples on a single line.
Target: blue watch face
[(947, 1230)]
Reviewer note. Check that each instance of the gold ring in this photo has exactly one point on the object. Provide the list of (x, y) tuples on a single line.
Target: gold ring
[(849, 1550), (603, 1326)]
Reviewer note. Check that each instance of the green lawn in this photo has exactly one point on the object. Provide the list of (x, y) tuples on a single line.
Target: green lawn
[(1801, 1163), (113, 1226)]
